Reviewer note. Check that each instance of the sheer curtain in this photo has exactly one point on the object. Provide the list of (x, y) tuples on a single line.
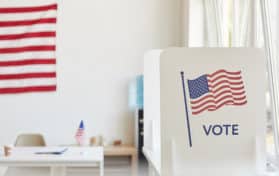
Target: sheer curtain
[(249, 23), (216, 21), (232, 23)]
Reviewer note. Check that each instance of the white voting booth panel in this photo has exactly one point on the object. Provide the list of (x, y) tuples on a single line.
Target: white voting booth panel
[(152, 140), (211, 117)]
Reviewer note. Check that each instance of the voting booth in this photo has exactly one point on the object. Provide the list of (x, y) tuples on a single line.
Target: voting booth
[(208, 113)]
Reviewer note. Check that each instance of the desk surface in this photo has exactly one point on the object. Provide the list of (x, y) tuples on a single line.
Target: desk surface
[(123, 150), (73, 156)]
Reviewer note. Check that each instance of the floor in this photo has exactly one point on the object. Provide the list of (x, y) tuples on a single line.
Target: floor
[(113, 167)]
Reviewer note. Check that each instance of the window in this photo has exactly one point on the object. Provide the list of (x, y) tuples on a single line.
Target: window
[(243, 23)]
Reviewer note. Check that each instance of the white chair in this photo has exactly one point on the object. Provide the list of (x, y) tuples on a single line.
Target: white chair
[(29, 140)]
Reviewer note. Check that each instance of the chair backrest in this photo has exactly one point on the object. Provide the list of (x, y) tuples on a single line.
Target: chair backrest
[(29, 140)]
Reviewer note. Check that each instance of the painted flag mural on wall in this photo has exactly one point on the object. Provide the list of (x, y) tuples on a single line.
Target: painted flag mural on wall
[(27, 49), (210, 92)]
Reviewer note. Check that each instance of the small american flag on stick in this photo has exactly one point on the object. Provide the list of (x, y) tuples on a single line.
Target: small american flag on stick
[(80, 135), (210, 92), (27, 48)]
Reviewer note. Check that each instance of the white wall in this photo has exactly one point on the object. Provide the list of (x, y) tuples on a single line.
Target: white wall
[(100, 47), (152, 101)]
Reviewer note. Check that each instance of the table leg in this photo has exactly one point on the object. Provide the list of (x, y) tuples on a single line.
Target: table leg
[(58, 171), (102, 168), (134, 165)]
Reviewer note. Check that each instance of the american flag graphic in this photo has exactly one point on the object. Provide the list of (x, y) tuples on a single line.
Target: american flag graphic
[(27, 48), (80, 134), (210, 92)]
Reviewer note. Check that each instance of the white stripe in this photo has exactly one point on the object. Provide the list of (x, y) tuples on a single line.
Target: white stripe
[(21, 3), (27, 55), (234, 102), (26, 42), (210, 98), (224, 84), (25, 29), (237, 96), (231, 86), (28, 16), (225, 79), (241, 87), (27, 69), (27, 82), (221, 102), (223, 74), (241, 94)]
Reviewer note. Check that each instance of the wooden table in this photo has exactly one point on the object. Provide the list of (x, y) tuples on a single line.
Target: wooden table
[(124, 150)]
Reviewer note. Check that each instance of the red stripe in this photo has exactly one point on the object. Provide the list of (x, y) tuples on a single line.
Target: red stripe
[(224, 71), (230, 103), (27, 62), (219, 100), (225, 81), (27, 49), (27, 22), (217, 96), (215, 108), (27, 89), (28, 35), (224, 76), (28, 9), (224, 87), (27, 76)]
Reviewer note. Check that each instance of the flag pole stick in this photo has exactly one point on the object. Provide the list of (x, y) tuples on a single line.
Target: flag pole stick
[(186, 109)]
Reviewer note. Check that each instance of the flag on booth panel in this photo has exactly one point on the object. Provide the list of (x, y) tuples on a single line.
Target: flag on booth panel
[(210, 92)]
